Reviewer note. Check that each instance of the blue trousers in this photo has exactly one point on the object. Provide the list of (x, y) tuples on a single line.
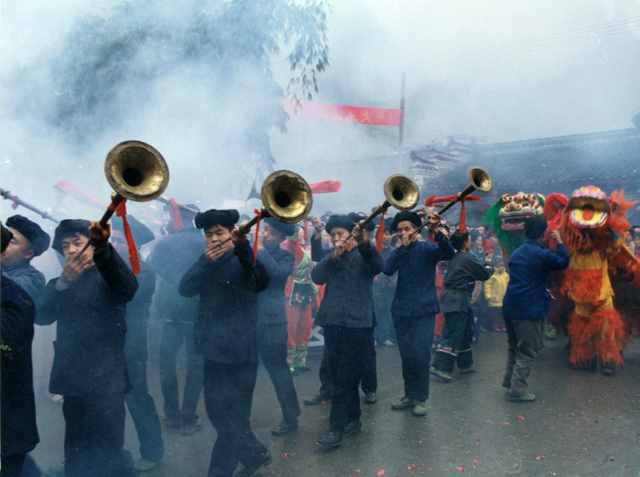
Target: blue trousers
[(415, 338)]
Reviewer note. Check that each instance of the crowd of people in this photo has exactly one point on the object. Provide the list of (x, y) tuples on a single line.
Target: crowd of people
[(231, 302)]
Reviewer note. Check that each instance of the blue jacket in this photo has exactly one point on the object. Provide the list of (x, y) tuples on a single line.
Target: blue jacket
[(530, 265), (416, 266), (225, 331), (18, 424), (89, 354), (348, 297), (278, 264), (170, 259), (28, 278)]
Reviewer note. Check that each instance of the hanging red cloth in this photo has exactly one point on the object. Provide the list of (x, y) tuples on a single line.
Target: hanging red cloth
[(325, 187), (380, 235), (134, 260), (256, 238)]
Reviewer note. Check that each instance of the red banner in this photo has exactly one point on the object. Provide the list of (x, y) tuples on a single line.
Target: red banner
[(69, 187), (341, 112), (325, 187)]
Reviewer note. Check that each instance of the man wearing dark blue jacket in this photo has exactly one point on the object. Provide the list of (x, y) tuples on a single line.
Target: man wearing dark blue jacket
[(19, 434), (526, 304), (347, 315), (88, 303), (227, 281), (272, 321), (415, 305)]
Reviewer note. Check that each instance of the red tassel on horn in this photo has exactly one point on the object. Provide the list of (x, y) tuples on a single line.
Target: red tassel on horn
[(258, 213), (134, 260), (380, 235)]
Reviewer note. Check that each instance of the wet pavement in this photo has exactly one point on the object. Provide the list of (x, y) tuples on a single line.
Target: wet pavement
[(583, 424)]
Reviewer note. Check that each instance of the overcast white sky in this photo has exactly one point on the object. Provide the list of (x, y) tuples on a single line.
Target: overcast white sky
[(501, 69)]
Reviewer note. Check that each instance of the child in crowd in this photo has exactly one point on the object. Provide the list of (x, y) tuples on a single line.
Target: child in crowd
[(494, 291)]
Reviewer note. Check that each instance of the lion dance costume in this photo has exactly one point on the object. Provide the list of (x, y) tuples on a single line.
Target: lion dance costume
[(507, 216), (593, 226)]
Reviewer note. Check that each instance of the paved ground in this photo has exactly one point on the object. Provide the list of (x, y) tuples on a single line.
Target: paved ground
[(583, 424)]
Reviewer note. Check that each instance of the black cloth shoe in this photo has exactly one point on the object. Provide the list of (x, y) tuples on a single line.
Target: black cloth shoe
[(353, 427), (173, 423), (608, 369), (370, 398), (261, 461), (191, 427), (330, 440), (317, 400), (284, 428)]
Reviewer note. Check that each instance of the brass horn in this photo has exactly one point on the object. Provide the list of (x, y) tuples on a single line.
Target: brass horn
[(400, 192), (285, 196), (479, 179), (136, 171)]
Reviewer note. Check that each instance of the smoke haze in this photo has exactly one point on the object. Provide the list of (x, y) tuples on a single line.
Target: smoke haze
[(496, 70)]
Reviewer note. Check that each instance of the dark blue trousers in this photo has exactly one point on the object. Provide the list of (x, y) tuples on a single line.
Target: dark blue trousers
[(415, 338)]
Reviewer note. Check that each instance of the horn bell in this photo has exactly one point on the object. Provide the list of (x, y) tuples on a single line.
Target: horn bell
[(401, 192), (136, 170), (480, 179), (286, 196)]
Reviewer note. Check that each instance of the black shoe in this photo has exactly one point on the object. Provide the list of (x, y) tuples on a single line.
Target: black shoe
[(284, 428), (370, 398), (521, 397), (190, 427), (172, 423), (403, 403), (608, 369), (443, 376), (353, 427), (317, 400), (261, 461), (330, 440)]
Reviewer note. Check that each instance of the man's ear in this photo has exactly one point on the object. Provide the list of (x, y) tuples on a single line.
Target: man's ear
[(28, 254)]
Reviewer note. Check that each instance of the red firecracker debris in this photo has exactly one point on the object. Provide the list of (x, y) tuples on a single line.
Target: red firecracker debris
[(521, 418), (460, 469), (380, 473), (412, 467)]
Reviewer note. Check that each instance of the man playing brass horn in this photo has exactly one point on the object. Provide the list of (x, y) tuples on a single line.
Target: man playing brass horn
[(226, 279), (88, 302), (415, 304), (347, 315)]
